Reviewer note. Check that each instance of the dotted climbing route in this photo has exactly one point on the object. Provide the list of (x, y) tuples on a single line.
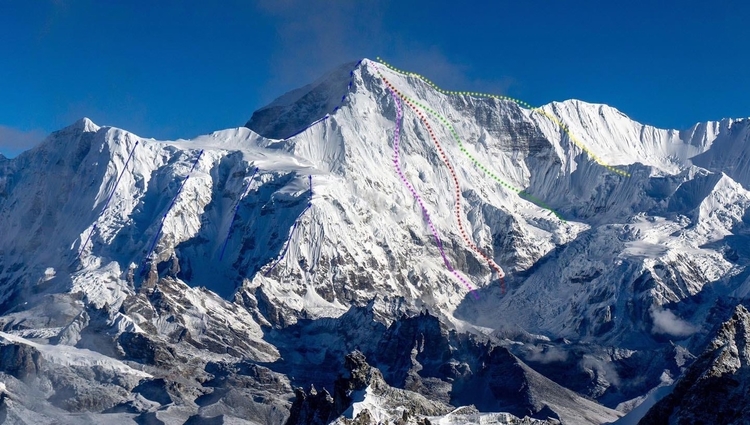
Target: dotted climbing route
[(479, 164), (457, 188), (519, 102), (397, 164)]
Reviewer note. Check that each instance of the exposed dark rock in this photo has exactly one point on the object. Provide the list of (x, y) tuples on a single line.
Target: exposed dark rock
[(74, 394), (3, 407), (313, 408), (297, 109), (715, 389), (154, 390), (20, 360), (138, 347), (126, 407), (200, 420)]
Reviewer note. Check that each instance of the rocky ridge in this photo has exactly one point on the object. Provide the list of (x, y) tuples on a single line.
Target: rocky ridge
[(631, 276)]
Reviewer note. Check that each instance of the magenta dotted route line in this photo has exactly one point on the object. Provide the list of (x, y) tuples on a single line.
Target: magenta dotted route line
[(397, 163)]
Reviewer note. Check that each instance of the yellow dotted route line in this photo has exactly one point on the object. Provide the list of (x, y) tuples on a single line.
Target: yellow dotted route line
[(479, 164), (520, 102)]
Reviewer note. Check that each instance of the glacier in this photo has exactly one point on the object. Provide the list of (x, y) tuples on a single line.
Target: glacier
[(257, 284)]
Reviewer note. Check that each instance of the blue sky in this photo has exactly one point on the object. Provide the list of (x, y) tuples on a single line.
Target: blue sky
[(171, 69)]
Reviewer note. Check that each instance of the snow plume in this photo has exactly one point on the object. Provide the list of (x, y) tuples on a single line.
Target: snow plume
[(665, 322), (546, 355), (322, 35), (603, 369)]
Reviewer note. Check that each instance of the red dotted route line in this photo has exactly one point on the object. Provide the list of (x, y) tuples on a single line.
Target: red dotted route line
[(455, 181)]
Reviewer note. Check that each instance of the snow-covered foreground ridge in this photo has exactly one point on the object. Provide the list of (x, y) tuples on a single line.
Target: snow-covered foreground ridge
[(412, 208)]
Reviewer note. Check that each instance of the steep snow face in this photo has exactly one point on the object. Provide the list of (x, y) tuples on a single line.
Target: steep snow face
[(295, 110), (329, 210), (141, 246), (731, 154), (618, 140)]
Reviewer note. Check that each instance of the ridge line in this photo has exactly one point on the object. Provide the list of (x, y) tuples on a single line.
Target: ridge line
[(109, 198), (480, 165), (169, 208), (291, 232), (236, 208), (517, 101)]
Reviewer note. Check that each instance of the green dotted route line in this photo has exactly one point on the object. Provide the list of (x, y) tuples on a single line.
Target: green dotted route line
[(520, 102), (479, 164)]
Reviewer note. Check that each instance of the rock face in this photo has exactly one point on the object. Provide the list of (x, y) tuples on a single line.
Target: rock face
[(420, 355), (360, 380), (20, 360), (203, 280), (715, 389)]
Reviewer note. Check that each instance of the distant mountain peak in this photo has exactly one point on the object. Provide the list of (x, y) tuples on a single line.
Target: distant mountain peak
[(84, 125)]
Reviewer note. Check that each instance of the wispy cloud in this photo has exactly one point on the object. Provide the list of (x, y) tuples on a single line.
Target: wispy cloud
[(666, 322), (14, 141), (550, 354), (314, 37), (604, 369), (448, 73)]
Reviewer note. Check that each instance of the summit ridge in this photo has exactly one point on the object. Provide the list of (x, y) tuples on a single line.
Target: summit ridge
[(252, 296)]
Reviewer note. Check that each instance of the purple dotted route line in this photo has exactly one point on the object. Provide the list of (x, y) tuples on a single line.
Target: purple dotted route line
[(236, 208), (109, 198), (163, 217), (397, 163), (291, 232), (343, 98)]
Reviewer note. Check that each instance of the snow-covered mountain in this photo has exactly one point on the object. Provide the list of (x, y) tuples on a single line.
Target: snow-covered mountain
[(584, 253)]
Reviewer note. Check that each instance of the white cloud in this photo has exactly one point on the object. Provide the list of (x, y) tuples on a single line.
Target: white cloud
[(602, 368), (547, 355), (14, 141), (666, 322)]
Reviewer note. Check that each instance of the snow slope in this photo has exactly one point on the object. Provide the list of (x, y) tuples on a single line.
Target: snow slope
[(622, 262)]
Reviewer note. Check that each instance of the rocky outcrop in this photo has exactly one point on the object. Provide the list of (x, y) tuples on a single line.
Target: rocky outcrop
[(311, 407), (142, 349), (20, 360), (314, 407), (715, 389)]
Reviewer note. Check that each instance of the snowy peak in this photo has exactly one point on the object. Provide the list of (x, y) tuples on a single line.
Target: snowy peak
[(295, 110), (371, 187), (83, 125), (730, 152)]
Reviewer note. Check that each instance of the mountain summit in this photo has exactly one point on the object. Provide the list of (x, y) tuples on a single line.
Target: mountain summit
[(454, 241)]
